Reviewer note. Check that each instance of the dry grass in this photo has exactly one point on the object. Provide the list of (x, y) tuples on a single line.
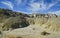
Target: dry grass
[(52, 24)]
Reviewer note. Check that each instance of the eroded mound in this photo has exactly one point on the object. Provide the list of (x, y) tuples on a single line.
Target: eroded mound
[(53, 24)]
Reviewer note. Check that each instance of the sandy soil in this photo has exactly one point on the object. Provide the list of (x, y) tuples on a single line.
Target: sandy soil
[(32, 31)]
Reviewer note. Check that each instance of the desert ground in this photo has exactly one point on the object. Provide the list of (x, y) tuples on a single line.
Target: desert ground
[(19, 25), (31, 32)]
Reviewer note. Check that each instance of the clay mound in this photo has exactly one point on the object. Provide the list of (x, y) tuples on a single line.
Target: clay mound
[(37, 21), (14, 22), (53, 24)]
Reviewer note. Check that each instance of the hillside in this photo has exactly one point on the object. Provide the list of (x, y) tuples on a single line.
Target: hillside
[(11, 21), (8, 18)]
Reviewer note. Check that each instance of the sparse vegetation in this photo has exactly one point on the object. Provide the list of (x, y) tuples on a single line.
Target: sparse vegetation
[(10, 20)]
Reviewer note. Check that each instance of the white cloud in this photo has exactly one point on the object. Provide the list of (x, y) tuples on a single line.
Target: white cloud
[(50, 5), (36, 6), (23, 12), (32, 1), (54, 2), (55, 12), (18, 1), (8, 3)]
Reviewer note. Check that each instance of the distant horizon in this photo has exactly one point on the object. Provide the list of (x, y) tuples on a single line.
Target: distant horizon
[(26, 13)]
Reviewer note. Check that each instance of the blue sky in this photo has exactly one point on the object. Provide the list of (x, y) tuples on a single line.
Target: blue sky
[(32, 6)]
